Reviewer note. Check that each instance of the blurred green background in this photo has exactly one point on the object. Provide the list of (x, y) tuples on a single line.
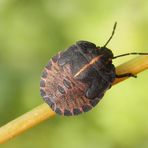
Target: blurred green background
[(32, 31)]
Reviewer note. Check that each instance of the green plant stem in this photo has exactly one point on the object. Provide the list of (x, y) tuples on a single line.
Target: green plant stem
[(43, 112), (24, 122)]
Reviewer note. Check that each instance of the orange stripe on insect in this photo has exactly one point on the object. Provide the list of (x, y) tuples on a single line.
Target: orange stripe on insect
[(94, 60)]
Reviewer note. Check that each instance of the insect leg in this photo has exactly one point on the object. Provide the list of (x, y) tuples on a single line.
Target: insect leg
[(126, 75)]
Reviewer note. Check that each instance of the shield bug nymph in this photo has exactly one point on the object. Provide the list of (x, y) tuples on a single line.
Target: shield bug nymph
[(75, 80)]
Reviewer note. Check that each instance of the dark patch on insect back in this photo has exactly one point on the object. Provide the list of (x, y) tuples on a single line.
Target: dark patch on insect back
[(58, 111), (49, 102), (49, 65), (76, 111), (67, 83), (86, 108), (67, 112), (42, 83), (44, 74), (43, 93), (55, 58), (61, 89), (94, 102)]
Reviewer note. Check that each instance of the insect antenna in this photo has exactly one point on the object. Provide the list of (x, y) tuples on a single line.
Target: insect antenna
[(113, 32), (132, 53)]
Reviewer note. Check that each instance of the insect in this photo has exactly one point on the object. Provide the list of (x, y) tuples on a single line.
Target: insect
[(75, 80)]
